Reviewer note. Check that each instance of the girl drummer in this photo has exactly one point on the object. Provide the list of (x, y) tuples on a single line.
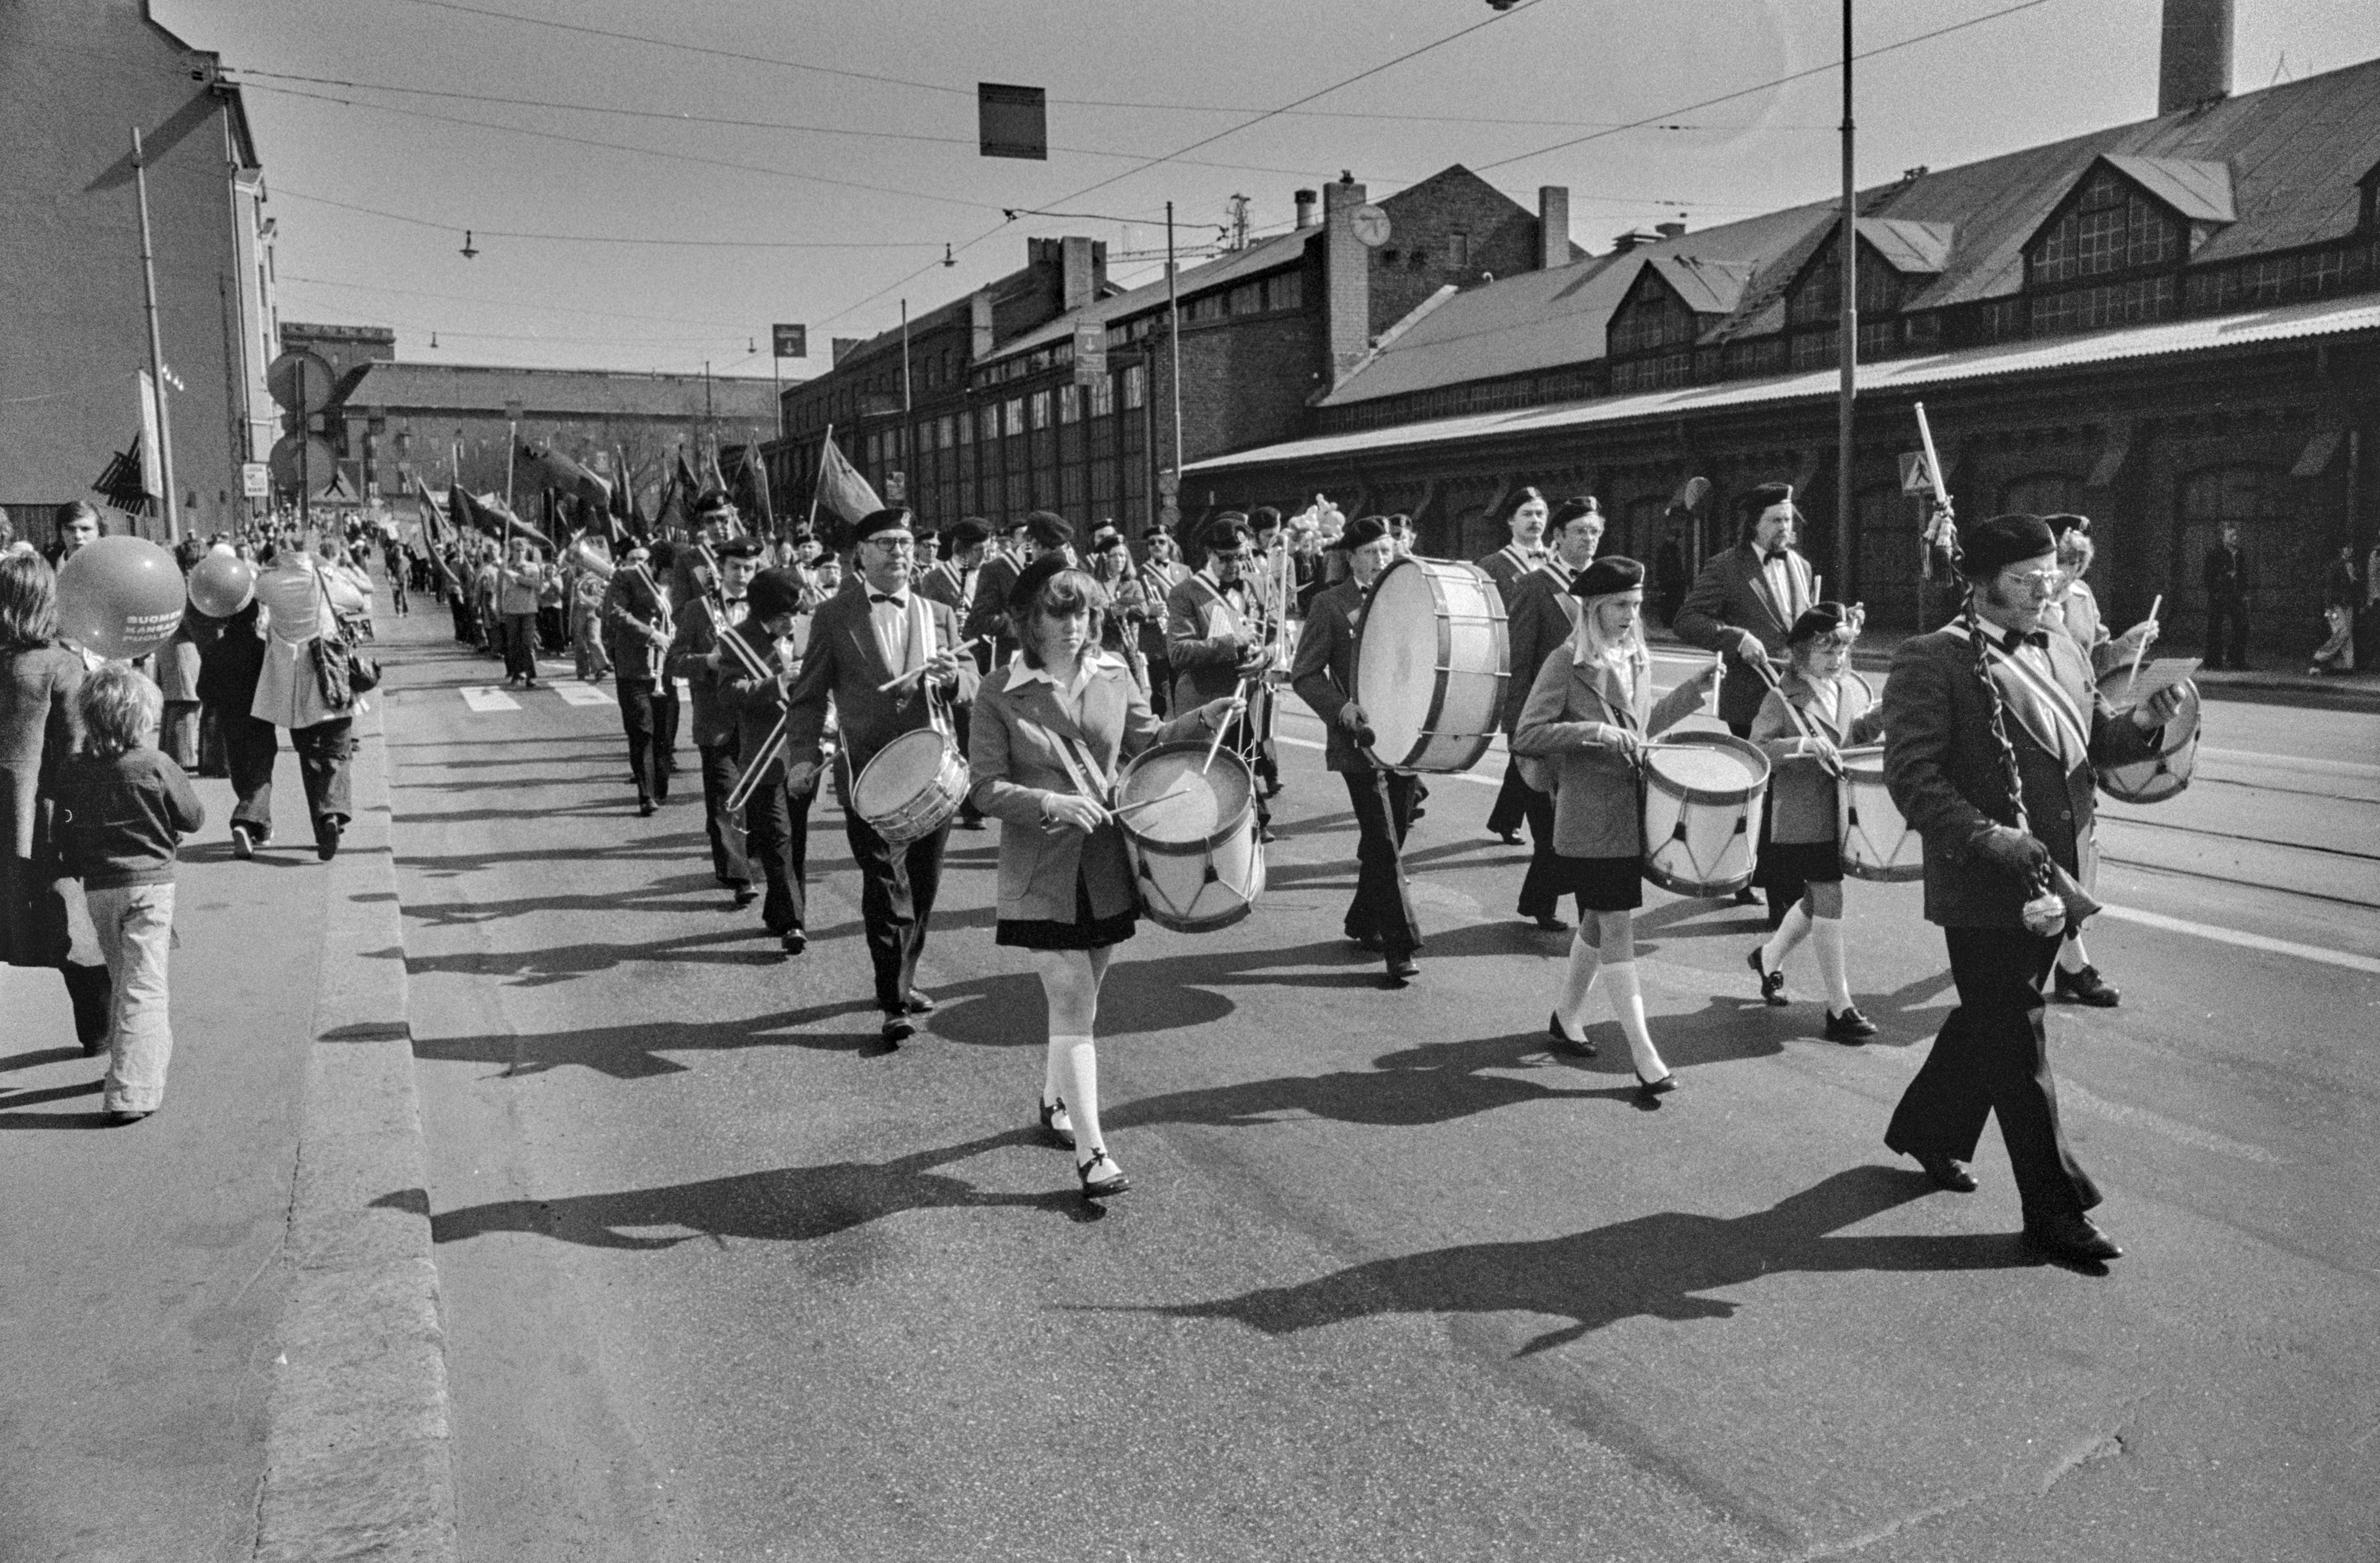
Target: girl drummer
[(1049, 736), (1816, 708), (1590, 711)]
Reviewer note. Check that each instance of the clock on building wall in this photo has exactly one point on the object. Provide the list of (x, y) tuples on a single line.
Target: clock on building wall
[(1371, 226)]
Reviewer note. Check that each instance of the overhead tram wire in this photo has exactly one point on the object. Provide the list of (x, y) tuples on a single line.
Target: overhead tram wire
[(1829, 67), (449, 227), (1204, 142)]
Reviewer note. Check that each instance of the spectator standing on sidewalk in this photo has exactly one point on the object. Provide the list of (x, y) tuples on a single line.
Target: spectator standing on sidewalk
[(228, 669), (2340, 591), (123, 810), (2229, 580), (44, 921), (302, 600)]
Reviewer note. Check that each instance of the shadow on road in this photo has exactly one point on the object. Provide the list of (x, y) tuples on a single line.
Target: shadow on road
[(1655, 1266)]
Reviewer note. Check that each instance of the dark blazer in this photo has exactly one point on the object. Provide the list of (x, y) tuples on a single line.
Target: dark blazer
[(1504, 566), (751, 706), (1205, 666), (1324, 673), (1540, 614), (230, 665), (987, 615), (2226, 575), (841, 663), (943, 581), (1013, 754), (1943, 769), (1730, 594), (715, 720)]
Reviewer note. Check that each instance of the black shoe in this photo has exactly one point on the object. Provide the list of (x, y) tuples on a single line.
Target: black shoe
[(1662, 1087), (1772, 984), (2087, 986), (1946, 1171), (793, 941), (644, 808), (1401, 970), (1266, 834), (898, 1029), (1577, 1046), (1101, 1187), (124, 1114), (1851, 1028), (745, 896), (1369, 943), (1509, 838), (1548, 923), (326, 836), (1063, 1138), (2075, 1237), (920, 1004)]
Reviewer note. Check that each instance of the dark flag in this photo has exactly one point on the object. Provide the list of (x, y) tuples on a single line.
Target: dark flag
[(626, 517), (552, 469), (121, 484), (690, 485), (752, 487), (486, 513)]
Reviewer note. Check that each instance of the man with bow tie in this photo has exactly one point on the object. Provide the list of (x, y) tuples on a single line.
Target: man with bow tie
[(1743, 604), (1993, 729), (860, 641)]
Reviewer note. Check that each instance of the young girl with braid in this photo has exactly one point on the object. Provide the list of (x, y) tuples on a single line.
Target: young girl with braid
[(1815, 709)]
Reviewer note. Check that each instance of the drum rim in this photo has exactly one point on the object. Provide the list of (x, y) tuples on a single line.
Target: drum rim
[(1223, 832), (1471, 746), (860, 779), (1727, 743)]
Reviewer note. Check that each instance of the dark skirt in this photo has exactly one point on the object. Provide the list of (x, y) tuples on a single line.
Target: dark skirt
[(1085, 932), (1600, 884), (1799, 863)]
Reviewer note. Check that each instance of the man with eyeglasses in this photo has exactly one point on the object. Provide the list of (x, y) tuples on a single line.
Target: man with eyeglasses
[(859, 641), (1993, 696), (1212, 637)]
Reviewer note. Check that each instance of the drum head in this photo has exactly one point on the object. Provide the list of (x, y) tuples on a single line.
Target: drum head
[(1190, 805), (1708, 769), (1396, 658), (900, 771)]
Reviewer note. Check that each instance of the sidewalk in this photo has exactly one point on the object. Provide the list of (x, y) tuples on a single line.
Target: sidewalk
[(215, 1346)]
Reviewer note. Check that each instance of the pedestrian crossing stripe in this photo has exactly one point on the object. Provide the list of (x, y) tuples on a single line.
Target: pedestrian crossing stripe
[(487, 697), (573, 693)]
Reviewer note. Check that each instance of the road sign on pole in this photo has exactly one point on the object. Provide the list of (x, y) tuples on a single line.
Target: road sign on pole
[(1912, 473), (1011, 121), (791, 341)]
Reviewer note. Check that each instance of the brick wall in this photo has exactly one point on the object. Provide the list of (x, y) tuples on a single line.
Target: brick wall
[(1500, 236)]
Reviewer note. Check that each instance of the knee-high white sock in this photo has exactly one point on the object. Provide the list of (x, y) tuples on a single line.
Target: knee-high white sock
[(1827, 938), (1628, 1004), (1053, 1069), (1584, 960), (1788, 937), (1079, 1084), (2072, 956)]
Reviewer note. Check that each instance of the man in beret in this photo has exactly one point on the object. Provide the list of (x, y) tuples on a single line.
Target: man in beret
[(1381, 917), (1212, 636), (1539, 614), (752, 666), (1991, 691), (859, 641), (717, 737)]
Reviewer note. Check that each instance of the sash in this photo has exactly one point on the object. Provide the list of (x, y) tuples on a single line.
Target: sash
[(1233, 619), (2040, 702)]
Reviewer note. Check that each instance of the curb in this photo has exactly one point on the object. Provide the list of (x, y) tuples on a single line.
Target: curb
[(357, 1454)]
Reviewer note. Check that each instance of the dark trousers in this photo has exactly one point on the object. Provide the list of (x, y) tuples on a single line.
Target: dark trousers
[(637, 716), (464, 629), (1383, 905), (2226, 650), (520, 645), (1993, 1056), (777, 826), (325, 752), (896, 900), (727, 828), (963, 719), (1505, 817), (1241, 738), (666, 707), (1538, 898), (250, 747)]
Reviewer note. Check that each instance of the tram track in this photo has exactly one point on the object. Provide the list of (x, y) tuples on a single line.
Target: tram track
[(2245, 840)]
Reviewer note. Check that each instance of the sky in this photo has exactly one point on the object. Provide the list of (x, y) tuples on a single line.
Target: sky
[(849, 167)]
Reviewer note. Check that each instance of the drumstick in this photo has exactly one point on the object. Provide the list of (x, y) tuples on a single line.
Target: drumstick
[(1149, 803), (1222, 727), (2142, 649), (916, 673)]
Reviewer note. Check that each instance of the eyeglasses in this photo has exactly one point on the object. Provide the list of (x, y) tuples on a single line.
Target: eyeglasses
[(894, 545), (2041, 581)]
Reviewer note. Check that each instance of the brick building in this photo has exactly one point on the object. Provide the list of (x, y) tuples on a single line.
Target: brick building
[(392, 420), (999, 418), (75, 79), (2167, 324)]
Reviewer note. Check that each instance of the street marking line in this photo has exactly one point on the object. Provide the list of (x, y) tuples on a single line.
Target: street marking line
[(2289, 761), (573, 693), (2364, 963), (487, 697)]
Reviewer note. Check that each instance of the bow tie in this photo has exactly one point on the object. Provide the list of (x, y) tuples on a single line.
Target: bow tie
[(895, 598), (2038, 640), (1774, 556)]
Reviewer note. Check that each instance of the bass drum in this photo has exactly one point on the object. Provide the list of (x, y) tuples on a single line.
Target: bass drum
[(1192, 831), (1431, 660), (2165, 773)]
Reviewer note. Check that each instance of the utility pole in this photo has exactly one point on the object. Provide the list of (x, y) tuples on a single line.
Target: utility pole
[(1847, 248), (1173, 339), (157, 348)]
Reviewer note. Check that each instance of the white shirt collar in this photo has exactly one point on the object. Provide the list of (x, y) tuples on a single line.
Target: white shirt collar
[(1020, 674)]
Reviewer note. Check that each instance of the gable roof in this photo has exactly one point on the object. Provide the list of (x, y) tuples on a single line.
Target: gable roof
[(2200, 191), (1263, 255), (1912, 249)]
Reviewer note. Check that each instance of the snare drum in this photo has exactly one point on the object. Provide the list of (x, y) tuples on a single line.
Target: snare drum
[(2165, 772), (1703, 796), (1877, 843), (912, 787), (1431, 660), (1194, 843)]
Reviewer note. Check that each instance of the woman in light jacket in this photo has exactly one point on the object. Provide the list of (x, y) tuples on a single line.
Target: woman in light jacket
[(302, 600), (1589, 711), (1051, 734)]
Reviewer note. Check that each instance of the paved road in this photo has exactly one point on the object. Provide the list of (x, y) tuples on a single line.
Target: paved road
[(727, 1280)]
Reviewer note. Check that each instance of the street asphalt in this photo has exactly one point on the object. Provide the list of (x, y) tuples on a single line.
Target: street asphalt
[(725, 1278)]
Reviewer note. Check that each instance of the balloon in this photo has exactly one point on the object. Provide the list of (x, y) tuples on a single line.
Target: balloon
[(120, 596), (222, 584)]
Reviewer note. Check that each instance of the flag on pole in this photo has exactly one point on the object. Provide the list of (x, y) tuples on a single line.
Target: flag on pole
[(489, 514), (552, 469), (840, 488), (689, 484), (627, 519), (752, 479), (121, 483)]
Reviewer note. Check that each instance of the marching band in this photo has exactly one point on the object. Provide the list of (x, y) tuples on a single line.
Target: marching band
[(1008, 679)]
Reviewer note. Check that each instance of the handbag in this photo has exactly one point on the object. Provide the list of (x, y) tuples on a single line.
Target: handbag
[(341, 672)]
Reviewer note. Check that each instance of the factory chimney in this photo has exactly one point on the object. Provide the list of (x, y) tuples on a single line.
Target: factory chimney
[(2195, 53)]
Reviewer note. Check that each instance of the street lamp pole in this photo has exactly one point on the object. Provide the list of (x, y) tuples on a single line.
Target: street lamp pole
[(157, 352), (1847, 249)]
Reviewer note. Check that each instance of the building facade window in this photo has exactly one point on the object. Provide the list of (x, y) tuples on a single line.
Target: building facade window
[(2110, 303), (1286, 291), (1458, 250), (1205, 307), (1247, 299), (1103, 396), (1651, 318), (1040, 403), (1012, 415), (2110, 227), (1136, 385), (1070, 404)]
